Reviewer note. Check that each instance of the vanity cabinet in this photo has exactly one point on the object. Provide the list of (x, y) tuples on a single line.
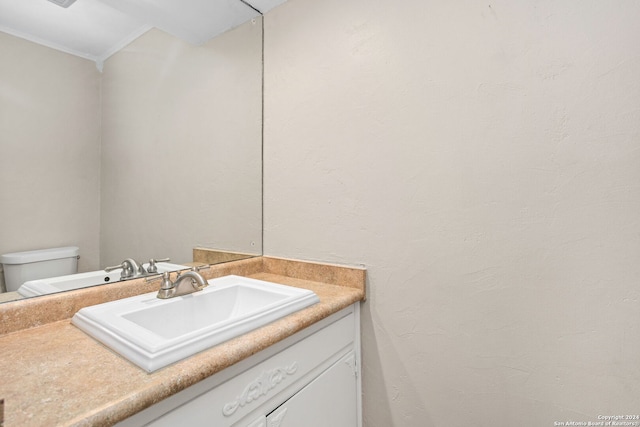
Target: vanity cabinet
[(309, 379)]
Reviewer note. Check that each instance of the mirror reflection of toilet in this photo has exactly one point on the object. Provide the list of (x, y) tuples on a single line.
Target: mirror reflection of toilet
[(20, 267)]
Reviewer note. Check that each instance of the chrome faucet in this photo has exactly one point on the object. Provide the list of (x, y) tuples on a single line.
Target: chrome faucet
[(130, 269), (194, 283)]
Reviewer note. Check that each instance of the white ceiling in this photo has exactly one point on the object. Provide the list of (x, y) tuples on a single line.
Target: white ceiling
[(96, 29)]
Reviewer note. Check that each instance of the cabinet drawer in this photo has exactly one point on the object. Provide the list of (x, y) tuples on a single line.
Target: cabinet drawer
[(281, 376)]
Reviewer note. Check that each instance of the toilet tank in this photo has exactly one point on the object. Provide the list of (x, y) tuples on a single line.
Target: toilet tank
[(20, 267)]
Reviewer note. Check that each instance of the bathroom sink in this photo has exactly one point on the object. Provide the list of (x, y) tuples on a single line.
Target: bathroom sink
[(52, 285), (153, 333)]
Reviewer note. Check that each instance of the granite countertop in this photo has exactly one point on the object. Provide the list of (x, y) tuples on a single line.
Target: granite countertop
[(53, 374)]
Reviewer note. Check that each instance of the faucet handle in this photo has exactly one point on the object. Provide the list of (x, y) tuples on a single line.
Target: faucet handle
[(115, 267), (198, 268), (166, 281), (127, 271), (167, 289), (153, 268), (152, 279)]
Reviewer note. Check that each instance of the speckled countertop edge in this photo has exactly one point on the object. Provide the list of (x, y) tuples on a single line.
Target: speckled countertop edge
[(54, 374)]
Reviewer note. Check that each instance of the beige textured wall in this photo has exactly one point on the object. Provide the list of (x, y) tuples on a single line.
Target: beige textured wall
[(181, 146), (49, 150), (481, 159)]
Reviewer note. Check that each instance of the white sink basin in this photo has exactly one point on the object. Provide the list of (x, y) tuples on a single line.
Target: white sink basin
[(52, 285), (153, 332)]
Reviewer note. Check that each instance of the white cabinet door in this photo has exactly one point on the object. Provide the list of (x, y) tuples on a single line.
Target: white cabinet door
[(329, 400)]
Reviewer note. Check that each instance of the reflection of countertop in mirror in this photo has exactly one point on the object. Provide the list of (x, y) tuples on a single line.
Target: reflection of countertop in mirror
[(213, 256), (54, 374)]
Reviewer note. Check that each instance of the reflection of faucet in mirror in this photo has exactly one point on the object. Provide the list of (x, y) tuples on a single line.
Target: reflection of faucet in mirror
[(130, 269), (153, 268), (195, 282)]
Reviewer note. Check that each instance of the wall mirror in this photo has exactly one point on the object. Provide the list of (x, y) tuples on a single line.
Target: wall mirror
[(149, 152)]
